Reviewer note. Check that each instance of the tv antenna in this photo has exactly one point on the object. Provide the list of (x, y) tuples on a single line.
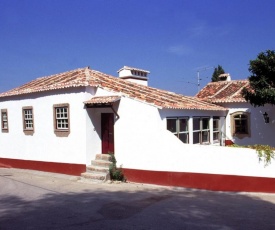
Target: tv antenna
[(198, 75)]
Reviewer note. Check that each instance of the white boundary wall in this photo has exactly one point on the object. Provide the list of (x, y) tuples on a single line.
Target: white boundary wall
[(151, 147)]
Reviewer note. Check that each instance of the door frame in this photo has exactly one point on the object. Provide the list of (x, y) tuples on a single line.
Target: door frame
[(107, 133)]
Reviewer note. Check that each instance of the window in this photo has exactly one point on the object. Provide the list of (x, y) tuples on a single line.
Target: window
[(179, 127), (28, 125), (201, 130), (61, 119), (240, 124), (4, 120), (216, 129)]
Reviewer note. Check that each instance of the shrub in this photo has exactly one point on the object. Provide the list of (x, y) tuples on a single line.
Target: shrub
[(265, 153), (115, 173)]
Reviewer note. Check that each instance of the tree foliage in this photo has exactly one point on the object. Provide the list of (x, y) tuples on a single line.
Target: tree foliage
[(262, 80), (217, 72)]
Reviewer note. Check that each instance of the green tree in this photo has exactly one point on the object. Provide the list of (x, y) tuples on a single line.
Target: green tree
[(262, 80), (217, 72)]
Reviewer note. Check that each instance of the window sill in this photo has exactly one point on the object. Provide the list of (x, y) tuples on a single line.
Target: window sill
[(28, 132), (62, 132)]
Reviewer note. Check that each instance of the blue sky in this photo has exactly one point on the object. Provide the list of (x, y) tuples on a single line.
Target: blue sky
[(172, 39)]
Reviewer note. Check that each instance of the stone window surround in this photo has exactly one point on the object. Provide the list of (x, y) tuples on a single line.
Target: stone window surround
[(232, 121), (4, 130), (61, 132), (25, 130)]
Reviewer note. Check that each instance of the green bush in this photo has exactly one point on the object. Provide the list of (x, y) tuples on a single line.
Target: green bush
[(265, 153), (115, 173)]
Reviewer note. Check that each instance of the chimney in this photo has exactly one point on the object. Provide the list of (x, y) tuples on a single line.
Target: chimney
[(134, 75), (224, 77)]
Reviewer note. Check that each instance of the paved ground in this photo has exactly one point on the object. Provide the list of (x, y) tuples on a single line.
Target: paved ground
[(37, 200)]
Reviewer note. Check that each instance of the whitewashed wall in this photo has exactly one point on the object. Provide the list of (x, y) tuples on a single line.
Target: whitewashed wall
[(151, 147), (171, 155), (44, 145), (261, 133), (141, 138)]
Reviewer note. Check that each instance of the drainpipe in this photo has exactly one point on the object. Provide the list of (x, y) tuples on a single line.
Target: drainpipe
[(114, 112)]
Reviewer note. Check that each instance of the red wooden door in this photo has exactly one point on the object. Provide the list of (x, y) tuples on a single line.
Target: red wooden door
[(107, 132)]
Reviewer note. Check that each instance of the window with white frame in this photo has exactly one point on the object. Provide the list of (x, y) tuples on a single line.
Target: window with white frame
[(61, 118), (216, 129), (28, 122), (4, 120), (179, 127), (201, 131), (62, 121)]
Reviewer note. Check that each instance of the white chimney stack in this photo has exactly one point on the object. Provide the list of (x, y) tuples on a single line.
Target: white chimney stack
[(139, 76), (224, 77)]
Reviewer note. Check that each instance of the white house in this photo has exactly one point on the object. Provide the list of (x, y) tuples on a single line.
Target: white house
[(60, 122), (245, 124)]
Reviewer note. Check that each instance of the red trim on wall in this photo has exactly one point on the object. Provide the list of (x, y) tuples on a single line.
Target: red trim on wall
[(213, 182), (65, 168)]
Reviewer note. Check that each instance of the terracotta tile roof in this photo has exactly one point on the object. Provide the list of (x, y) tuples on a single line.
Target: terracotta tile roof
[(102, 100), (120, 87), (223, 91)]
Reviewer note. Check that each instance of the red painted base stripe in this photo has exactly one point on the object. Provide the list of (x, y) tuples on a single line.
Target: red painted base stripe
[(65, 168), (202, 181)]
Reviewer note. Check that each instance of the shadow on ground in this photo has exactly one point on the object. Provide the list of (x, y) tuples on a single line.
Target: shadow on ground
[(150, 208)]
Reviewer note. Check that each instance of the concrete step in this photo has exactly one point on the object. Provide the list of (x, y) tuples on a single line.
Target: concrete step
[(101, 163), (93, 168), (98, 171), (105, 157), (100, 177)]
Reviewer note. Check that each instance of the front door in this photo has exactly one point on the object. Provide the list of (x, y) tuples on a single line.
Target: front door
[(107, 132)]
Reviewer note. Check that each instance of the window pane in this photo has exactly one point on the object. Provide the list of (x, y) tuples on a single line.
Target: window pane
[(172, 125), (196, 123), (4, 116), (240, 126), (240, 123), (215, 125), (62, 121), (205, 123), (183, 137), (183, 123), (205, 136), (196, 137), (28, 119), (216, 136)]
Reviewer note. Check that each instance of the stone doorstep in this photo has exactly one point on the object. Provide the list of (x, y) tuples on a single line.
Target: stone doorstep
[(98, 171), (105, 157), (94, 176), (93, 168), (101, 163)]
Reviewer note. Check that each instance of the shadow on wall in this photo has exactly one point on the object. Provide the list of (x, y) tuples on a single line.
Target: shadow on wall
[(100, 207)]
